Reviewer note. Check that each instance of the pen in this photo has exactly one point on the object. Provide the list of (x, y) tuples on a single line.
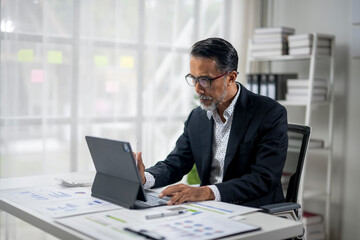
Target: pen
[(145, 233), (166, 214)]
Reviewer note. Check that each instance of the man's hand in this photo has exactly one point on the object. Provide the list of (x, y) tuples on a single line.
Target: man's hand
[(140, 166), (181, 193)]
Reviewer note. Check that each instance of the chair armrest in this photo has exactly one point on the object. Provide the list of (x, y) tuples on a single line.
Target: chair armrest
[(280, 207)]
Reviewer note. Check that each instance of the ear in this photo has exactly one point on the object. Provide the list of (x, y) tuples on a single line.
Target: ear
[(232, 77)]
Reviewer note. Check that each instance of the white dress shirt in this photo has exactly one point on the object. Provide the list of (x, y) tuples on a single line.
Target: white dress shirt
[(220, 142)]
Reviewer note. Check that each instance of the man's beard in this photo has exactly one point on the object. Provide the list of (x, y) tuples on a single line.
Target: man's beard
[(212, 107)]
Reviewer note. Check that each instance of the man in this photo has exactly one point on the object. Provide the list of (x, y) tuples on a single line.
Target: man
[(237, 139)]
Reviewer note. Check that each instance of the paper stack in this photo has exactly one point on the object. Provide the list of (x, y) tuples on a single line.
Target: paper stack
[(314, 226), (298, 90), (301, 44), (271, 41)]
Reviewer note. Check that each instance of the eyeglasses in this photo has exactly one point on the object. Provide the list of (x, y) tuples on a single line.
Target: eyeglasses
[(204, 81)]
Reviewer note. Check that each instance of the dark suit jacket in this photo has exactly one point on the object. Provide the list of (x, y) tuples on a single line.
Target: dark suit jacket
[(255, 153)]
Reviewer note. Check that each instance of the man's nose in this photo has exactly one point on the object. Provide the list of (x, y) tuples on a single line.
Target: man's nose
[(199, 88)]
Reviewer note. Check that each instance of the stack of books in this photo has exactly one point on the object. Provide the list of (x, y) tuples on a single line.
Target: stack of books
[(301, 44), (298, 90), (271, 41), (314, 226), (272, 85)]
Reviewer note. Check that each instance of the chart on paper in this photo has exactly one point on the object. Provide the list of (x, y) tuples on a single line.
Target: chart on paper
[(200, 226), (199, 222), (57, 202), (218, 208)]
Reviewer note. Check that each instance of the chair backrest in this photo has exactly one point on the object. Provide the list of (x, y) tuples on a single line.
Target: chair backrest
[(299, 136)]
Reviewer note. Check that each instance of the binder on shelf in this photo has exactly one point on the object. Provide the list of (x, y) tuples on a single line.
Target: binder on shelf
[(264, 85), (255, 83), (271, 87), (280, 83), (248, 81), (280, 86)]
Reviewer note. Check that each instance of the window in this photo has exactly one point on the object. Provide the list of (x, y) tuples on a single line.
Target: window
[(109, 68)]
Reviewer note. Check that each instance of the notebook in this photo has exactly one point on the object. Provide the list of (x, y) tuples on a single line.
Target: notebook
[(117, 179)]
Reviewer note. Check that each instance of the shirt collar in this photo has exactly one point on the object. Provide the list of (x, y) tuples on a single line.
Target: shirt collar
[(230, 109)]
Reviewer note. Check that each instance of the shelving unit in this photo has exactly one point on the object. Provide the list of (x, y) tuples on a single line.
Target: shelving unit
[(309, 104)]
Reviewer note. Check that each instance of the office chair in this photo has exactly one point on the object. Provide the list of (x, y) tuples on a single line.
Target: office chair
[(299, 136)]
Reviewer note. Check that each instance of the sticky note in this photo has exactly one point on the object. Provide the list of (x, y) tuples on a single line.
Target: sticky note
[(112, 86), (127, 62), (101, 60), (37, 76), (55, 57), (26, 55)]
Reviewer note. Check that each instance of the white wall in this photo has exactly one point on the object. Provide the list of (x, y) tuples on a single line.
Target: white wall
[(334, 17), (244, 17), (351, 210)]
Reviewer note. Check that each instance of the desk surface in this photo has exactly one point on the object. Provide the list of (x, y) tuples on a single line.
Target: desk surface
[(272, 227)]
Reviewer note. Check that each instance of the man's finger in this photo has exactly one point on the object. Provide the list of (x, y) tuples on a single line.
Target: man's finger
[(182, 199), (174, 199), (170, 190), (139, 156), (140, 166)]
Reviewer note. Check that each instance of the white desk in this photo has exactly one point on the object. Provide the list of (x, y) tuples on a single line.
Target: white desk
[(271, 227)]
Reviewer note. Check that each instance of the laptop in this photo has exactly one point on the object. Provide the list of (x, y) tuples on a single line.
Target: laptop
[(117, 179)]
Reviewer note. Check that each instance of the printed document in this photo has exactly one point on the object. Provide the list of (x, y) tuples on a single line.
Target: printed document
[(57, 201)]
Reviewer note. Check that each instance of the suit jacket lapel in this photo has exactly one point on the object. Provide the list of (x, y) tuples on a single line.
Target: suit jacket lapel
[(241, 121)]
